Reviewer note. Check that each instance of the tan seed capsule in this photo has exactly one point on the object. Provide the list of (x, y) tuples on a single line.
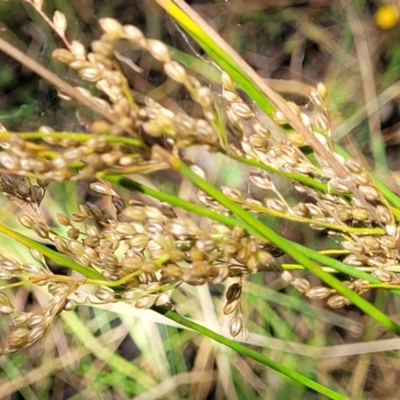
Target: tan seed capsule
[(133, 34), (63, 219), (63, 55), (360, 214), (41, 230), (233, 194), (36, 333), (277, 205), (316, 98), (105, 295), (111, 26), (78, 50), (35, 320), (123, 228), (175, 71), (9, 160), (60, 23), (353, 166), (337, 301), (236, 326), (76, 247), (287, 276), (339, 185), (302, 285), (230, 307), (321, 122), (280, 118), (384, 215), (90, 74), (318, 292), (158, 50), (353, 247), (26, 221), (242, 110), (369, 192), (145, 302)]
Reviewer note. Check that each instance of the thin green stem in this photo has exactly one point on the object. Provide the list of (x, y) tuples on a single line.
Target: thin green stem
[(300, 256), (240, 349), (54, 255)]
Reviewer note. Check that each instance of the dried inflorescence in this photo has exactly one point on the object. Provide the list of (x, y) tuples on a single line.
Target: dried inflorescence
[(143, 252)]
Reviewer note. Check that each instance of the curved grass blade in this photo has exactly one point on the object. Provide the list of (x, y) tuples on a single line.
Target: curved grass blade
[(54, 255), (240, 349), (267, 233)]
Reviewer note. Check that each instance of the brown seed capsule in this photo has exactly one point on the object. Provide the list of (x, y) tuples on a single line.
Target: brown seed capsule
[(234, 291), (41, 230), (337, 301)]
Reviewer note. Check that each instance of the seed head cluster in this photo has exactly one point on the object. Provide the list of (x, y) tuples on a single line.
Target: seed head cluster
[(143, 252)]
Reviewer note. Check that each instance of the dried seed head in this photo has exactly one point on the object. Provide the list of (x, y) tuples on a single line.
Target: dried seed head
[(242, 110), (105, 295), (175, 71), (158, 50), (236, 326), (60, 23), (63, 55), (360, 214), (337, 301), (234, 291), (318, 292), (316, 98), (78, 50), (36, 333), (231, 307), (385, 276), (112, 27), (227, 81), (301, 284), (321, 122), (63, 219), (41, 230), (280, 118), (133, 34), (369, 192), (26, 221), (353, 166), (340, 185), (102, 48), (384, 215), (287, 276), (146, 302), (322, 91)]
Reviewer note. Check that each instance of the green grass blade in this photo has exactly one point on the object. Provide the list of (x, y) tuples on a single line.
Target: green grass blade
[(54, 255), (300, 256), (239, 348)]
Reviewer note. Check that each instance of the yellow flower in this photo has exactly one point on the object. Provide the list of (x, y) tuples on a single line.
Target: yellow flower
[(386, 17)]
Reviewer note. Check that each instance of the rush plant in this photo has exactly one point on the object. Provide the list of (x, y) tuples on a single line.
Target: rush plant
[(130, 250)]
